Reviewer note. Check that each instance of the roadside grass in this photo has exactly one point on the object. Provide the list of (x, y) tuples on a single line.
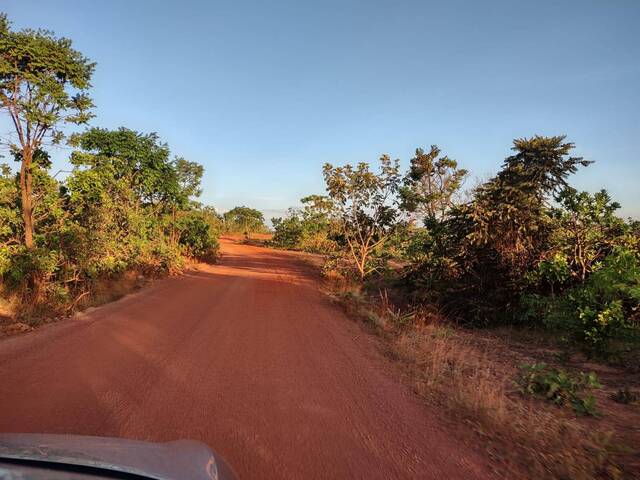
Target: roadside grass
[(471, 376), (18, 315)]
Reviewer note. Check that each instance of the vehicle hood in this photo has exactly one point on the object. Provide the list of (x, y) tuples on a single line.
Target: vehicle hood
[(177, 460)]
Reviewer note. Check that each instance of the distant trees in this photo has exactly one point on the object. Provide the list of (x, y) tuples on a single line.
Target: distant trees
[(311, 229), (43, 84), (244, 220)]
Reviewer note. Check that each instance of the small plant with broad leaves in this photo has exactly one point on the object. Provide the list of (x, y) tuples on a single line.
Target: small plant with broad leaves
[(559, 387)]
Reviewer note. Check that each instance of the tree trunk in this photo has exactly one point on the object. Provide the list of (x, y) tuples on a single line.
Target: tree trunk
[(362, 264), (27, 196)]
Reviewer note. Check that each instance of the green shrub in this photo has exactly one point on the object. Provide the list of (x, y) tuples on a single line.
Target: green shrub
[(598, 312), (196, 237), (28, 264), (288, 232), (166, 258), (559, 387), (309, 233)]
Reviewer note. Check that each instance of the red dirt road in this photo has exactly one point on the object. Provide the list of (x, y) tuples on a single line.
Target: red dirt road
[(247, 356)]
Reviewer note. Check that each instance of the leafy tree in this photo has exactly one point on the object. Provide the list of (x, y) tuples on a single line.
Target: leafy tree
[(142, 159), (478, 258), (510, 212), (189, 177), (317, 207), (365, 206), (43, 83), (244, 219), (213, 218), (431, 184), (588, 228), (311, 228), (10, 218), (288, 231)]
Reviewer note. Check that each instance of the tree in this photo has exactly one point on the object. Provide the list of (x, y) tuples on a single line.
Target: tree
[(510, 212), (43, 83), (365, 206), (588, 229), (288, 231), (142, 160), (431, 183), (311, 228), (244, 219), (189, 177)]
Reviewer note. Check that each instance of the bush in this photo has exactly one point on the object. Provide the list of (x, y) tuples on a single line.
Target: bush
[(287, 232), (196, 237), (165, 258), (559, 387), (317, 242), (308, 233), (598, 312)]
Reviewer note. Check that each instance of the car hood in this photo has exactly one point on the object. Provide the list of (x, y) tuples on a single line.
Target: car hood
[(182, 459)]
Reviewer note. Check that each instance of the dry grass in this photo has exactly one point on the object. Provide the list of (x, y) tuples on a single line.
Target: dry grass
[(18, 309), (469, 379)]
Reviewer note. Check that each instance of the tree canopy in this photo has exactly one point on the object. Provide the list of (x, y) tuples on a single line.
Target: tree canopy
[(244, 220), (43, 85)]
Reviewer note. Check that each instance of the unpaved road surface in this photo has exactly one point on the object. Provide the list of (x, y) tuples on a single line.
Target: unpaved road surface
[(247, 356)]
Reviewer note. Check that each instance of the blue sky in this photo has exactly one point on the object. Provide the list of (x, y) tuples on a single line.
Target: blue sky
[(263, 93)]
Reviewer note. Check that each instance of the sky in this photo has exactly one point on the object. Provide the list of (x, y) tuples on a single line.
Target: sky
[(264, 93)]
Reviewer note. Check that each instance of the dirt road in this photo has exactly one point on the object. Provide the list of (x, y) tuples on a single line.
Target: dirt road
[(247, 356)]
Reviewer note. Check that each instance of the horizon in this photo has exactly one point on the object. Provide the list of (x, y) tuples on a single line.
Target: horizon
[(263, 95)]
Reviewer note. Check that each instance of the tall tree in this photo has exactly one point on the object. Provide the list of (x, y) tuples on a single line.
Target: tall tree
[(364, 203), (511, 211), (43, 84), (431, 183)]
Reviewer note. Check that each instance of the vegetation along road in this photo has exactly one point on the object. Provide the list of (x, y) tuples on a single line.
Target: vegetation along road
[(247, 356)]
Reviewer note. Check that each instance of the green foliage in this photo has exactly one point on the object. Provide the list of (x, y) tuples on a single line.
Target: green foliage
[(365, 208), (45, 79), (312, 229), (587, 229), (559, 387), (140, 159), (288, 231), (509, 214), (244, 220), (431, 183), (124, 206), (43, 85), (601, 310), (196, 235), (526, 248)]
